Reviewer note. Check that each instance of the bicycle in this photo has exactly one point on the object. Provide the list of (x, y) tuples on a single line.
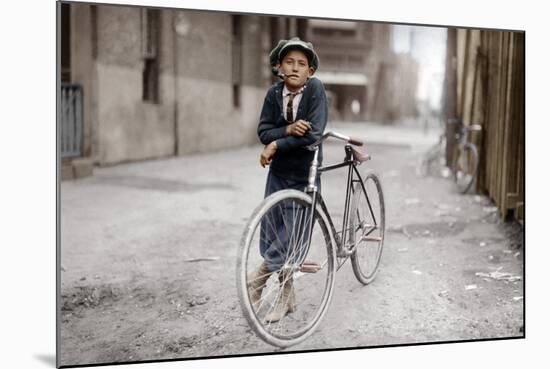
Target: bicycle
[(433, 160), (465, 158), (310, 247)]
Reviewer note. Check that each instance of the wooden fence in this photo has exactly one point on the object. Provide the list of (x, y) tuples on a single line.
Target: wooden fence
[(490, 86)]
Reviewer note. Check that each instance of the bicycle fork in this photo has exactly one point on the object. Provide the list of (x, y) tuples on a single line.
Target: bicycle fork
[(312, 190), (343, 251)]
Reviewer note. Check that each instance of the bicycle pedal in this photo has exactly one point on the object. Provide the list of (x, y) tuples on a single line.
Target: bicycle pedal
[(371, 238), (310, 267)]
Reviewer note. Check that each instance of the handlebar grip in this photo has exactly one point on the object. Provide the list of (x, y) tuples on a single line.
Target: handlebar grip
[(355, 141), (475, 127)]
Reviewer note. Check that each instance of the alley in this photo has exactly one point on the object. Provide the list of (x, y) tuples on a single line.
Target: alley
[(148, 253)]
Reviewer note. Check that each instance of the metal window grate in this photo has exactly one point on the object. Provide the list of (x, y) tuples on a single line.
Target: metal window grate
[(71, 120)]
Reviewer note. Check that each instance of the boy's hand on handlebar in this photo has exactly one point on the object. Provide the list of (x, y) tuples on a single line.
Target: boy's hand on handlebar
[(267, 154), (298, 128)]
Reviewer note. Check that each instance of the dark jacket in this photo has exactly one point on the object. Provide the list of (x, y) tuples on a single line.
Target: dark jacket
[(292, 160)]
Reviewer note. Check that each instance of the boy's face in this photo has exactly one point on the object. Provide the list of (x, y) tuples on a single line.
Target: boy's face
[(295, 67)]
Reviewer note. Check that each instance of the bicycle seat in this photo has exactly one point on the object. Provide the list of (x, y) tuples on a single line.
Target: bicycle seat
[(359, 156)]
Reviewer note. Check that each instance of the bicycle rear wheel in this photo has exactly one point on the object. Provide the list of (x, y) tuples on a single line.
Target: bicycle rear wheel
[(367, 225), (465, 169), (279, 226)]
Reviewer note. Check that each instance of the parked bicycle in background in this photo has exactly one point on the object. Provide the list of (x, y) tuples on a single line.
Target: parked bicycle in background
[(465, 158), (464, 161)]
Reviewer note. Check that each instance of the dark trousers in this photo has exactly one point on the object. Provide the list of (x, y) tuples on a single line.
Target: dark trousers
[(284, 230)]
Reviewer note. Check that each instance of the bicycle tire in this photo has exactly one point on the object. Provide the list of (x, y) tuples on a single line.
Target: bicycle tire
[(367, 228), (313, 289), (465, 169)]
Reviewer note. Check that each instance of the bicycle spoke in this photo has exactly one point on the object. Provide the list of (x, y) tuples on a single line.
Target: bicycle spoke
[(304, 231), (274, 230), (282, 230), (273, 288)]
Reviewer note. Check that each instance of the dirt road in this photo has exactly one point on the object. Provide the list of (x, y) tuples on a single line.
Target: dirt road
[(148, 261)]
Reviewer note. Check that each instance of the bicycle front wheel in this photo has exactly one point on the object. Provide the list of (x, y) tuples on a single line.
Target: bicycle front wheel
[(285, 276), (466, 167), (367, 225)]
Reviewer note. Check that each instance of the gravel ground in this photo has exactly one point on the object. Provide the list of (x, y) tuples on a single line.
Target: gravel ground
[(132, 287)]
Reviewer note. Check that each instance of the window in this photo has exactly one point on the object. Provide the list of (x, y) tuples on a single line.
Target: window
[(65, 43), (334, 29), (334, 33), (236, 60), (149, 51)]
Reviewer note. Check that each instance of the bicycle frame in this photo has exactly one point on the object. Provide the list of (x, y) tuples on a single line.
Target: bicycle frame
[(353, 177), (309, 266), (462, 136)]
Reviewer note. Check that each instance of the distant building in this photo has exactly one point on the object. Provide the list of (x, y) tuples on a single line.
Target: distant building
[(403, 84), (343, 48), (364, 78)]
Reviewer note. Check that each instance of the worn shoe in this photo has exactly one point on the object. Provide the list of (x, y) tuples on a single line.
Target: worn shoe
[(286, 302), (256, 283)]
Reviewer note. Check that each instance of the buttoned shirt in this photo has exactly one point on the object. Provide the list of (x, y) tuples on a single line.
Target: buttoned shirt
[(295, 102)]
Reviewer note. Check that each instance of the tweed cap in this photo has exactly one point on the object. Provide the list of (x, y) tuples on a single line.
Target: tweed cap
[(284, 46)]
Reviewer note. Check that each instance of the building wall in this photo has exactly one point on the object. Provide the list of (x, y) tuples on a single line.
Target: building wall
[(198, 53), (129, 128), (83, 69), (195, 111), (207, 118)]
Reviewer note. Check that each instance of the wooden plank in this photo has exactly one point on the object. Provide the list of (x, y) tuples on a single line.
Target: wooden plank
[(512, 158), (495, 159), (483, 178), (506, 75), (461, 41), (492, 94), (500, 192), (466, 81), (519, 119)]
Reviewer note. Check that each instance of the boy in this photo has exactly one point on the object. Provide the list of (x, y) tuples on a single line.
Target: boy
[(294, 115)]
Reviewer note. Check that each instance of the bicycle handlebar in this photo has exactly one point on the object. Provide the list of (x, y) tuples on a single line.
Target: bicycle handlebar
[(355, 141), (466, 127), (348, 139)]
